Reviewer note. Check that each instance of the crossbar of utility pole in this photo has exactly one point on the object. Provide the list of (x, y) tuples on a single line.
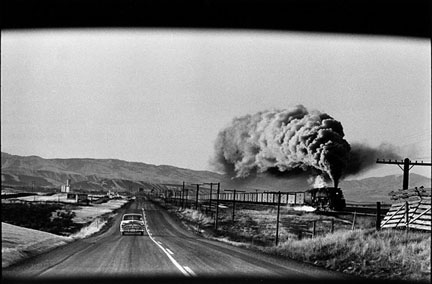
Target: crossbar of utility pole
[(406, 168)]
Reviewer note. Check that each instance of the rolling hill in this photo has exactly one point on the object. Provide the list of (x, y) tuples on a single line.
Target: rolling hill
[(112, 174), (18, 170)]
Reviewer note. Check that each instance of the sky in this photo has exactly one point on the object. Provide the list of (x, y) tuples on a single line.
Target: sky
[(162, 96)]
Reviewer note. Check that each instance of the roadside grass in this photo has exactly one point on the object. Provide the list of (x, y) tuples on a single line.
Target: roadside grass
[(388, 254)]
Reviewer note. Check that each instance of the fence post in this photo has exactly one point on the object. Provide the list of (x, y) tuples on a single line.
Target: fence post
[(378, 216), (277, 219), (314, 228), (353, 222), (407, 215), (406, 221), (217, 206)]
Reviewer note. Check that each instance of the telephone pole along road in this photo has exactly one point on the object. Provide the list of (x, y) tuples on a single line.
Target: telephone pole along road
[(166, 250)]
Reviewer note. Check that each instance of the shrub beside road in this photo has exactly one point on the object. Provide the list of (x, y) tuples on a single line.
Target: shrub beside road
[(51, 218)]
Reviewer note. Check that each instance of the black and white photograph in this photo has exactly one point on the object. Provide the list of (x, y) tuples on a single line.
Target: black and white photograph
[(245, 142)]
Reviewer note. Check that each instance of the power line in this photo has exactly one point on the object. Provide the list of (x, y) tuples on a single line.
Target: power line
[(406, 168)]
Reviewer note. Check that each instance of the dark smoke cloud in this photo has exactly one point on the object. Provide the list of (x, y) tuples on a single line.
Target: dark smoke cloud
[(291, 143), (283, 142), (363, 157)]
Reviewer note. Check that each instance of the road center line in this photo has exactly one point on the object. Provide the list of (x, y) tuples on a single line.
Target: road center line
[(190, 270), (163, 249), (169, 251)]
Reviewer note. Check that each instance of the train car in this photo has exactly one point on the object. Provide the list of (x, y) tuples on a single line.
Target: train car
[(325, 198)]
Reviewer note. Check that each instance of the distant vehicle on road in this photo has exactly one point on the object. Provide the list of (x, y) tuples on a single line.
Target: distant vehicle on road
[(132, 223)]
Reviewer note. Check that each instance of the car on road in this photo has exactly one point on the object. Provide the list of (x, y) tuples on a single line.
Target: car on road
[(132, 223)]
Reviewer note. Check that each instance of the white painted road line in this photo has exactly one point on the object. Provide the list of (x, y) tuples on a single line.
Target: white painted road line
[(190, 270), (170, 252), (182, 270)]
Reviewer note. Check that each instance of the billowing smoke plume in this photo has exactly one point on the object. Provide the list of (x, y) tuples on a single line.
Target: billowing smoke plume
[(283, 141), (291, 142), (362, 157)]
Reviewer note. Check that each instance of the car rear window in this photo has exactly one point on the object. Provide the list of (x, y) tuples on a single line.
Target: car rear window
[(132, 217)]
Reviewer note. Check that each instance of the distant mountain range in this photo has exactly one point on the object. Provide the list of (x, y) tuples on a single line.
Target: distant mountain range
[(112, 174)]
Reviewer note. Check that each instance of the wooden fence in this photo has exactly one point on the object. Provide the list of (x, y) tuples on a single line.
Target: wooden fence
[(410, 215)]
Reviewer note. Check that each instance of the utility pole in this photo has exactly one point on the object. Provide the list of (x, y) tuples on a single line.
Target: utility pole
[(187, 197), (277, 219), (197, 194), (211, 191), (234, 201), (407, 166), (217, 206), (211, 195), (182, 195)]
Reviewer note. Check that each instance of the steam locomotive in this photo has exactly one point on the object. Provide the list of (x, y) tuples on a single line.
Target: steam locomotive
[(325, 198)]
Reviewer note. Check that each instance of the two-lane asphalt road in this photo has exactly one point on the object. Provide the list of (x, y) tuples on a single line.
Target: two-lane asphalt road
[(166, 250)]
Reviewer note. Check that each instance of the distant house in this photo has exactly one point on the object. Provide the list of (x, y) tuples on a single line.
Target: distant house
[(79, 197), (112, 194)]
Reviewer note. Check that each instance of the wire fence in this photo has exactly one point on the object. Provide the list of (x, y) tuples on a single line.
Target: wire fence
[(267, 218)]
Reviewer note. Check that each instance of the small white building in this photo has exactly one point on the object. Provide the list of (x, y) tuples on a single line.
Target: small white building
[(66, 188)]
